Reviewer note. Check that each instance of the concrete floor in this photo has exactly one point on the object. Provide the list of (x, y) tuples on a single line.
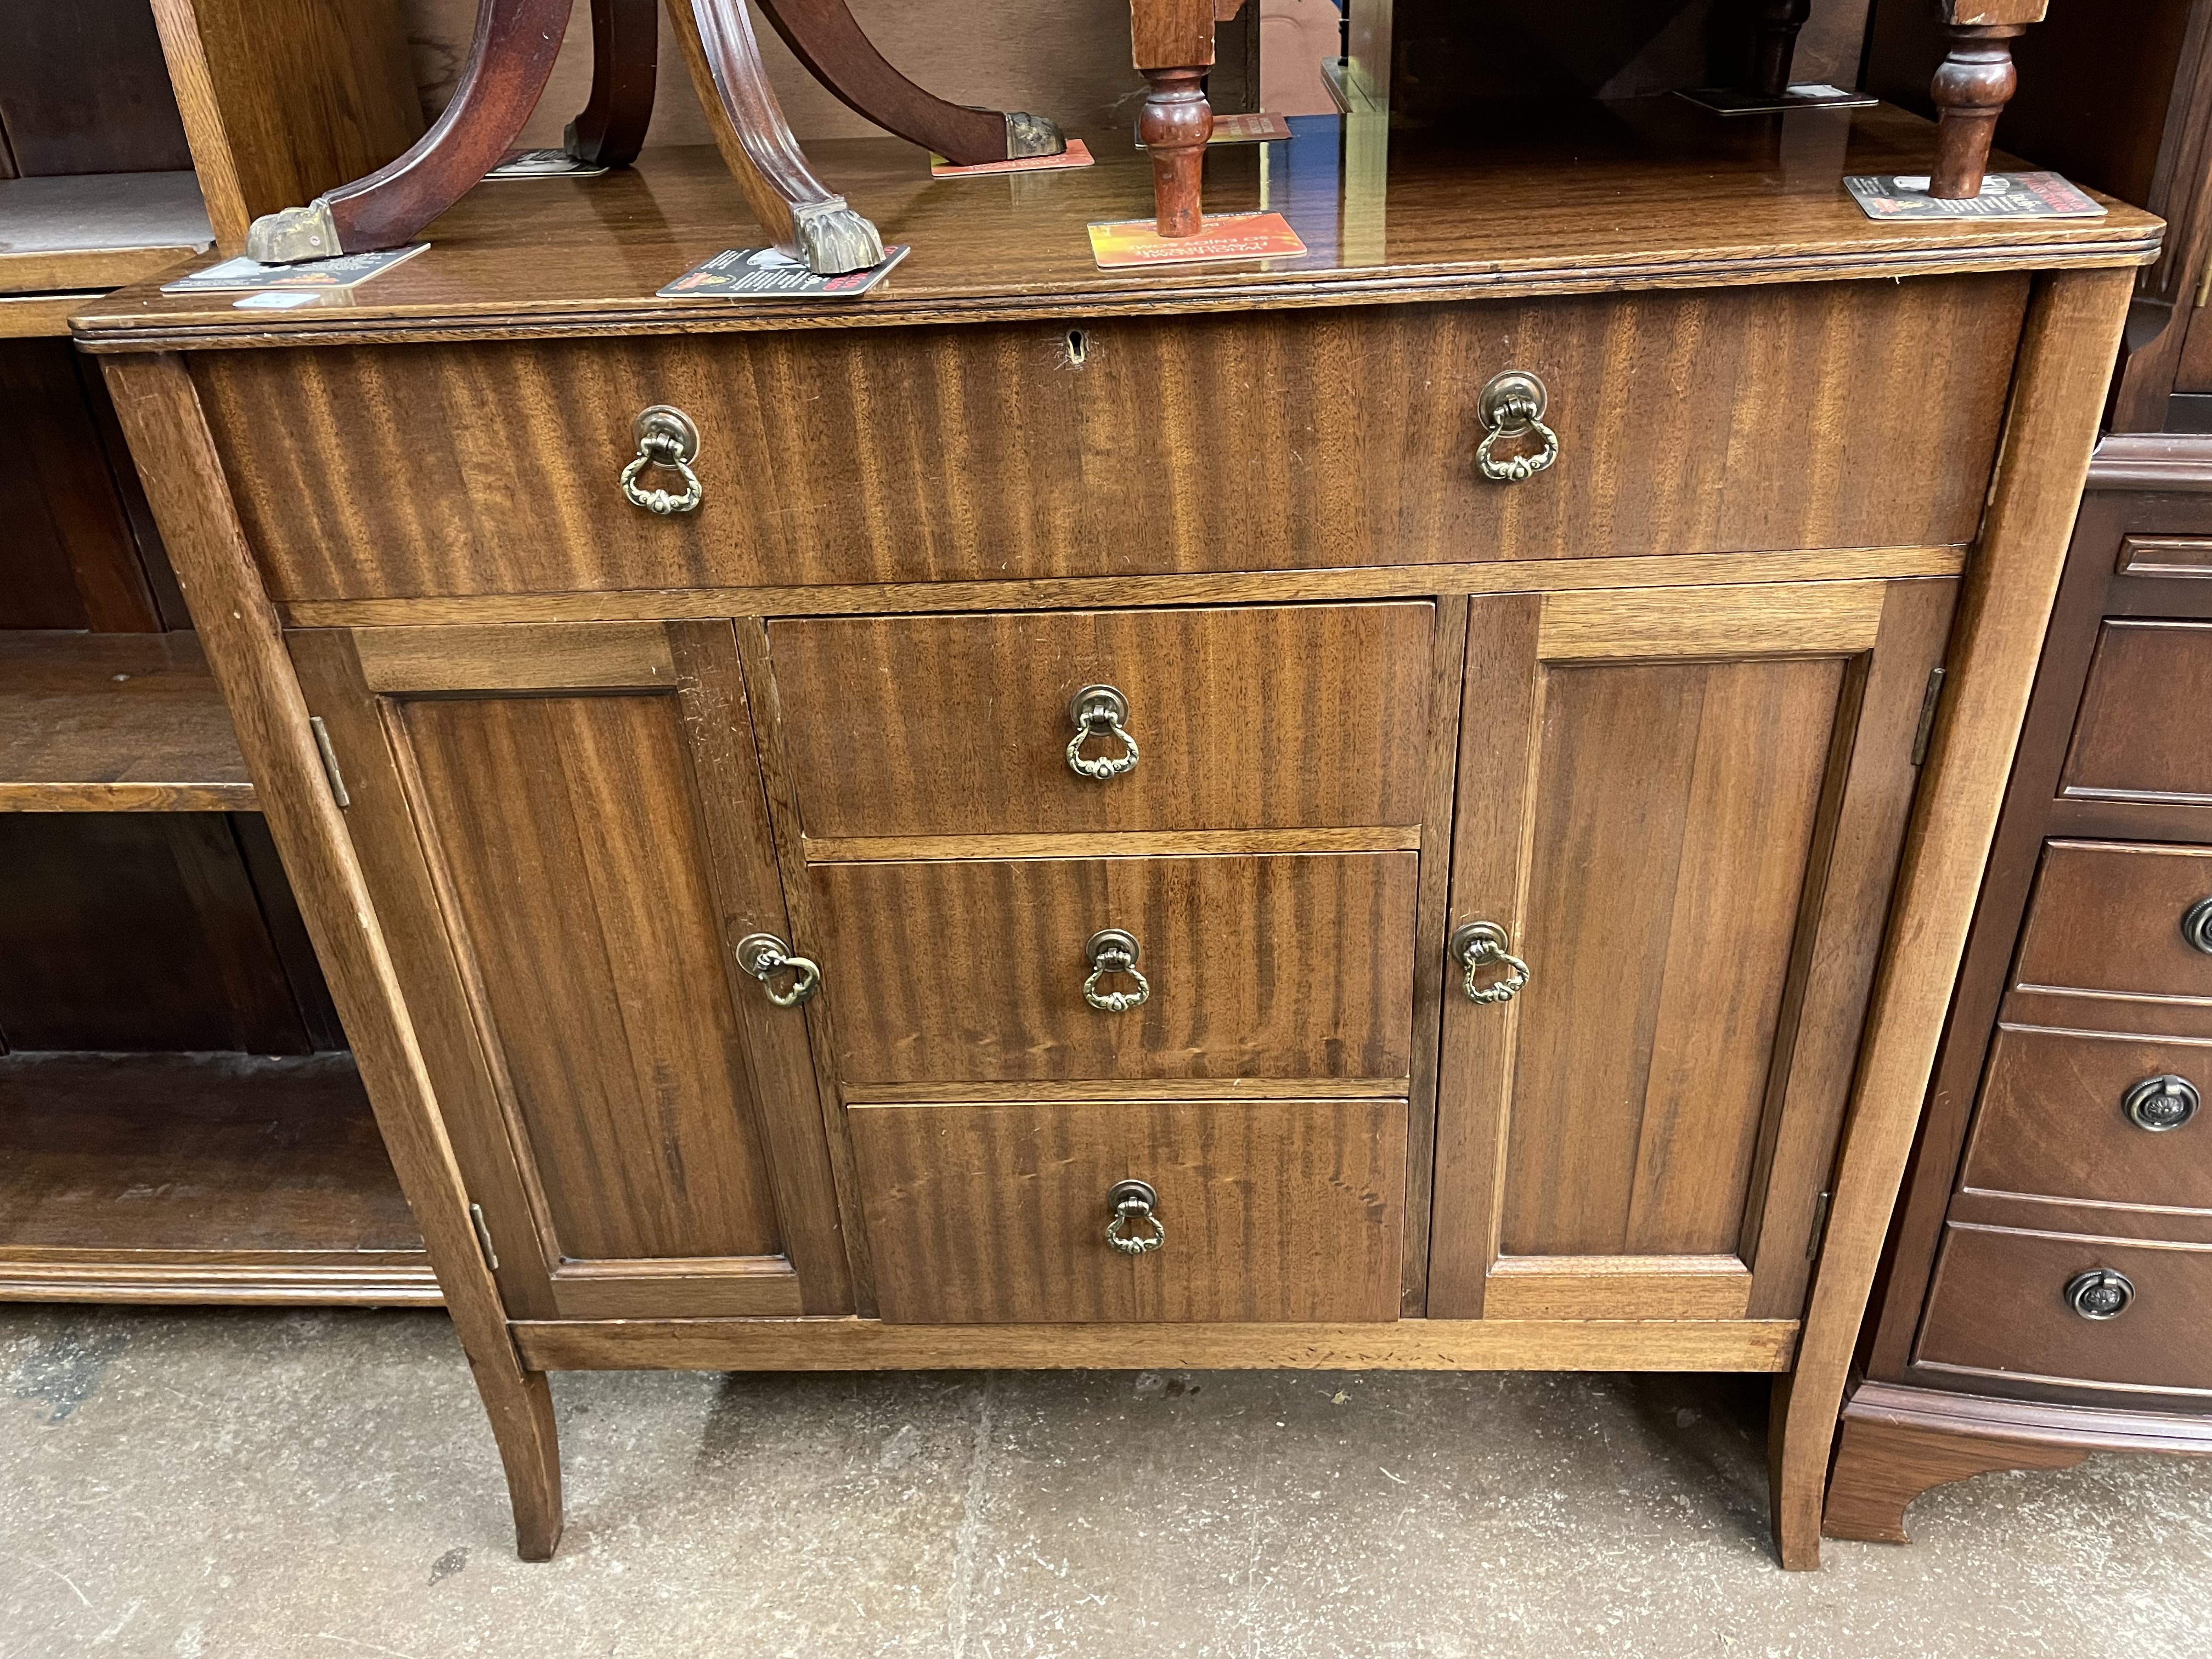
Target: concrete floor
[(220, 1484)]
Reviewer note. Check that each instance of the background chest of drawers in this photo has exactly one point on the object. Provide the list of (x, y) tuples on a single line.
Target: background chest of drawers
[(991, 885)]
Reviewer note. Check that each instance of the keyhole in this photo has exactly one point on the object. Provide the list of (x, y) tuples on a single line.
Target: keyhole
[(1078, 347)]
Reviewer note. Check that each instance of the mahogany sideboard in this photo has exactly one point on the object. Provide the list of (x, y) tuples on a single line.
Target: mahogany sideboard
[(1386, 809)]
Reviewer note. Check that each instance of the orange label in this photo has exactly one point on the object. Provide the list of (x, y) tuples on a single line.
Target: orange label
[(1230, 236), (1077, 154)]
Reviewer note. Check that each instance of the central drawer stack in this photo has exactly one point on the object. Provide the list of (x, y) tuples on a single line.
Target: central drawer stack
[(1120, 908)]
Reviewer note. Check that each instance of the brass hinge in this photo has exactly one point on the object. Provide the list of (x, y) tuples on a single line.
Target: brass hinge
[(330, 761), (1820, 1226), (483, 1237), (1929, 699)]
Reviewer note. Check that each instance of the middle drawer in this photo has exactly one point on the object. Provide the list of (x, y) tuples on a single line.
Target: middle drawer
[(1258, 717), (1274, 965)]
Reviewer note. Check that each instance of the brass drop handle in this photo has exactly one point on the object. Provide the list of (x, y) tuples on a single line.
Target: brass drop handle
[(1110, 950), (665, 438), (1132, 1205), (2160, 1103), (2197, 925), (2100, 1293), (1100, 711), (1477, 945), (764, 955), (1512, 406)]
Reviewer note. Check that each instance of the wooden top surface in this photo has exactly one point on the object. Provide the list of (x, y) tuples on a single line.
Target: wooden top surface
[(1653, 192), (114, 722)]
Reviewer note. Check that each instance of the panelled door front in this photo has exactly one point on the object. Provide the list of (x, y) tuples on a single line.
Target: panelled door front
[(1681, 809), (565, 832)]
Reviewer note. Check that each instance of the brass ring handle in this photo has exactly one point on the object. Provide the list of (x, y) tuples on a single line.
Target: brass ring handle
[(665, 438), (1512, 406), (1110, 950), (1134, 1204), (764, 955), (1099, 711), (1477, 945)]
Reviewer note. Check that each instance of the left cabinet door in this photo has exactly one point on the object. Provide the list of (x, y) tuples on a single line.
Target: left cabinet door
[(565, 833)]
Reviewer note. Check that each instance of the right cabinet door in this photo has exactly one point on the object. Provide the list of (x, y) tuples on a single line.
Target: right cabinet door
[(1682, 809)]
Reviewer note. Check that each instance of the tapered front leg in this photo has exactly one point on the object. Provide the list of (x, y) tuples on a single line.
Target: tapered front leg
[(516, 42)]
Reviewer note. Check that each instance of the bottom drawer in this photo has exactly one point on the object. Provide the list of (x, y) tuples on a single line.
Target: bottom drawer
[(2003, 1306), (1266, 1210)]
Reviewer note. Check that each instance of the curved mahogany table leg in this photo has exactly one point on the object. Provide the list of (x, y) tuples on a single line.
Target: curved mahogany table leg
[(801, 213), (516, 42), (625, 50), (824, 37)]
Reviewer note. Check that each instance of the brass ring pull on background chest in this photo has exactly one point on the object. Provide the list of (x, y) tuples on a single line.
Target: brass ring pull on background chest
[(1479, 945), (665, 438), (1099, 711), (764, 955), (1111, 950), (1132, 1205), (1512, 406)]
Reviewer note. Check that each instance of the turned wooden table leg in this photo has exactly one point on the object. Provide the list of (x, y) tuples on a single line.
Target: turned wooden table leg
[(1971, 88), (801, 214), (1776, 45), (625, 51), (823, 35), (1174, 128), (516, 42), (1172, 42)]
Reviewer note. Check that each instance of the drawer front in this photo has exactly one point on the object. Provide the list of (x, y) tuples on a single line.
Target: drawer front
[(2107, 924), (2000, 1308), (974, 969), (1719, 420), (1266, 1210), (2115, 1120), (1265, 717), (2143, 733)]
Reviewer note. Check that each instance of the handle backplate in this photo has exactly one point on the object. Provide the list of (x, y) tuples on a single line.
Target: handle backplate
[(2160, 1103), (2197, 925), (2100, 1293)]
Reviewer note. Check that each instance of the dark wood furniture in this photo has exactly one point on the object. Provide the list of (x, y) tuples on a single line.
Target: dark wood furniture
[(178, 1118), (511, 55), (2047, 1271), (1199, 760)]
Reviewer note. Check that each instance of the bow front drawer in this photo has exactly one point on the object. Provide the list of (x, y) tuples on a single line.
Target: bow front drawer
[(1265, 717)]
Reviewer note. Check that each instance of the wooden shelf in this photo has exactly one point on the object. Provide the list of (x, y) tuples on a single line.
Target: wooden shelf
[(87, 233), (199, 1178), (114, 723)]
